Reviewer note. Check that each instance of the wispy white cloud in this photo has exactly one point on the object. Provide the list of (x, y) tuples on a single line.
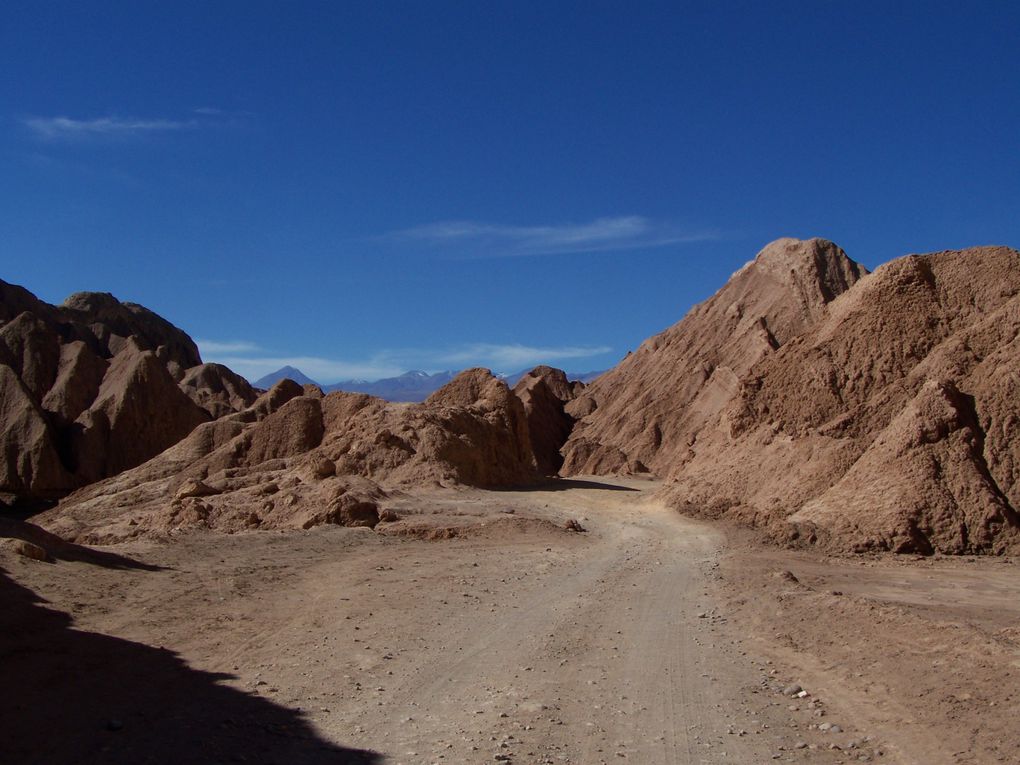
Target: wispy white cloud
[(63, 128), (630, 232), (513, 357), (53, 128), (248, 359), (230, 347), (224, 114)]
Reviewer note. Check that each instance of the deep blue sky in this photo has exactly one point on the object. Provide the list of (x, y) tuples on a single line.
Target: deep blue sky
[(370, 187)]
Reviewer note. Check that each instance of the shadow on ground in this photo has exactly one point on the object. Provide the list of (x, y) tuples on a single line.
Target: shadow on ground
[(61, 549), (81, 697), (565, 484)]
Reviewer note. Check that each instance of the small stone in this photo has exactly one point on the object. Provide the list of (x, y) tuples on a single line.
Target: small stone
[(792, 690), (195, 488), (31, 551)]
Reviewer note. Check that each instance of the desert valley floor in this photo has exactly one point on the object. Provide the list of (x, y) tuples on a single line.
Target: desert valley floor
[(486, 632)]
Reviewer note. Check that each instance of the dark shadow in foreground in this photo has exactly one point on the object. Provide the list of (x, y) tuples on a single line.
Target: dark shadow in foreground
[(81, 697), (563, 484)]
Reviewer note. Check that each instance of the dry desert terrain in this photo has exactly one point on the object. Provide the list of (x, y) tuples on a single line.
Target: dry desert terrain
[(478, 629)]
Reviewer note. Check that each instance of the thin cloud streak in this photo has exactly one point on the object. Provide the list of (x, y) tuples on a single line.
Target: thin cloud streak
[(244, 357), (65, 127), (215, 347), (511, 358), (630, 232)]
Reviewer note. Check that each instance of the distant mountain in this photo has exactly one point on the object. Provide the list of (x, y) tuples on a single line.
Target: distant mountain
[(284, 373), (410, 386)]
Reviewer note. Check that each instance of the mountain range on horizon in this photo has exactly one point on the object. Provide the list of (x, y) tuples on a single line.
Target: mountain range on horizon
[(412, 386)]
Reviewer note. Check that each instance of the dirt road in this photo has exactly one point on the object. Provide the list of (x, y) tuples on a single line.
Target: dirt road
[(516, 641)]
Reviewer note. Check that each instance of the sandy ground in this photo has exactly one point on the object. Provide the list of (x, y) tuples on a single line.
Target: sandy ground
[(650, 638)]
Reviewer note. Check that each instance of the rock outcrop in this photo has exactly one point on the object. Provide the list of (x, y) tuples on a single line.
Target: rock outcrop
[(297, 458), (644, 414), (872, 413), (545, 393), (217, 389), (96, 386), (905, 393)]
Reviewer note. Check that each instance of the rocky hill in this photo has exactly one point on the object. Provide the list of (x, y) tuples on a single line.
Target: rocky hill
[(299, 458), (860, 412), (644, 414), (807, 397), (93, 387)]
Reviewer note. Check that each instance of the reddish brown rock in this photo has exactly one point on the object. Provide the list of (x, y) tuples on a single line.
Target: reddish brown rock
[(921, 485), (33, 351), (217, 389), (275, 397), (883, 419), (29, 462), (873, 412), (294, 429), (545, 392), (906, 386), (97, 387), (112, 322), (138, 412), (311, 461), (650, 407), (79, 376)]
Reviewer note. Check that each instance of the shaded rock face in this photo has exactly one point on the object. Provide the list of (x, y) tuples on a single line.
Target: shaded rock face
[(111, 321), (297, 459), (545, 393), (138, 411), (648, 410), (91, 388), (29, 455), (217, 389)]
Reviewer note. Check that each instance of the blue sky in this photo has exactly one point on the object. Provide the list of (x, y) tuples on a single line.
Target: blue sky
[(362, 188)]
